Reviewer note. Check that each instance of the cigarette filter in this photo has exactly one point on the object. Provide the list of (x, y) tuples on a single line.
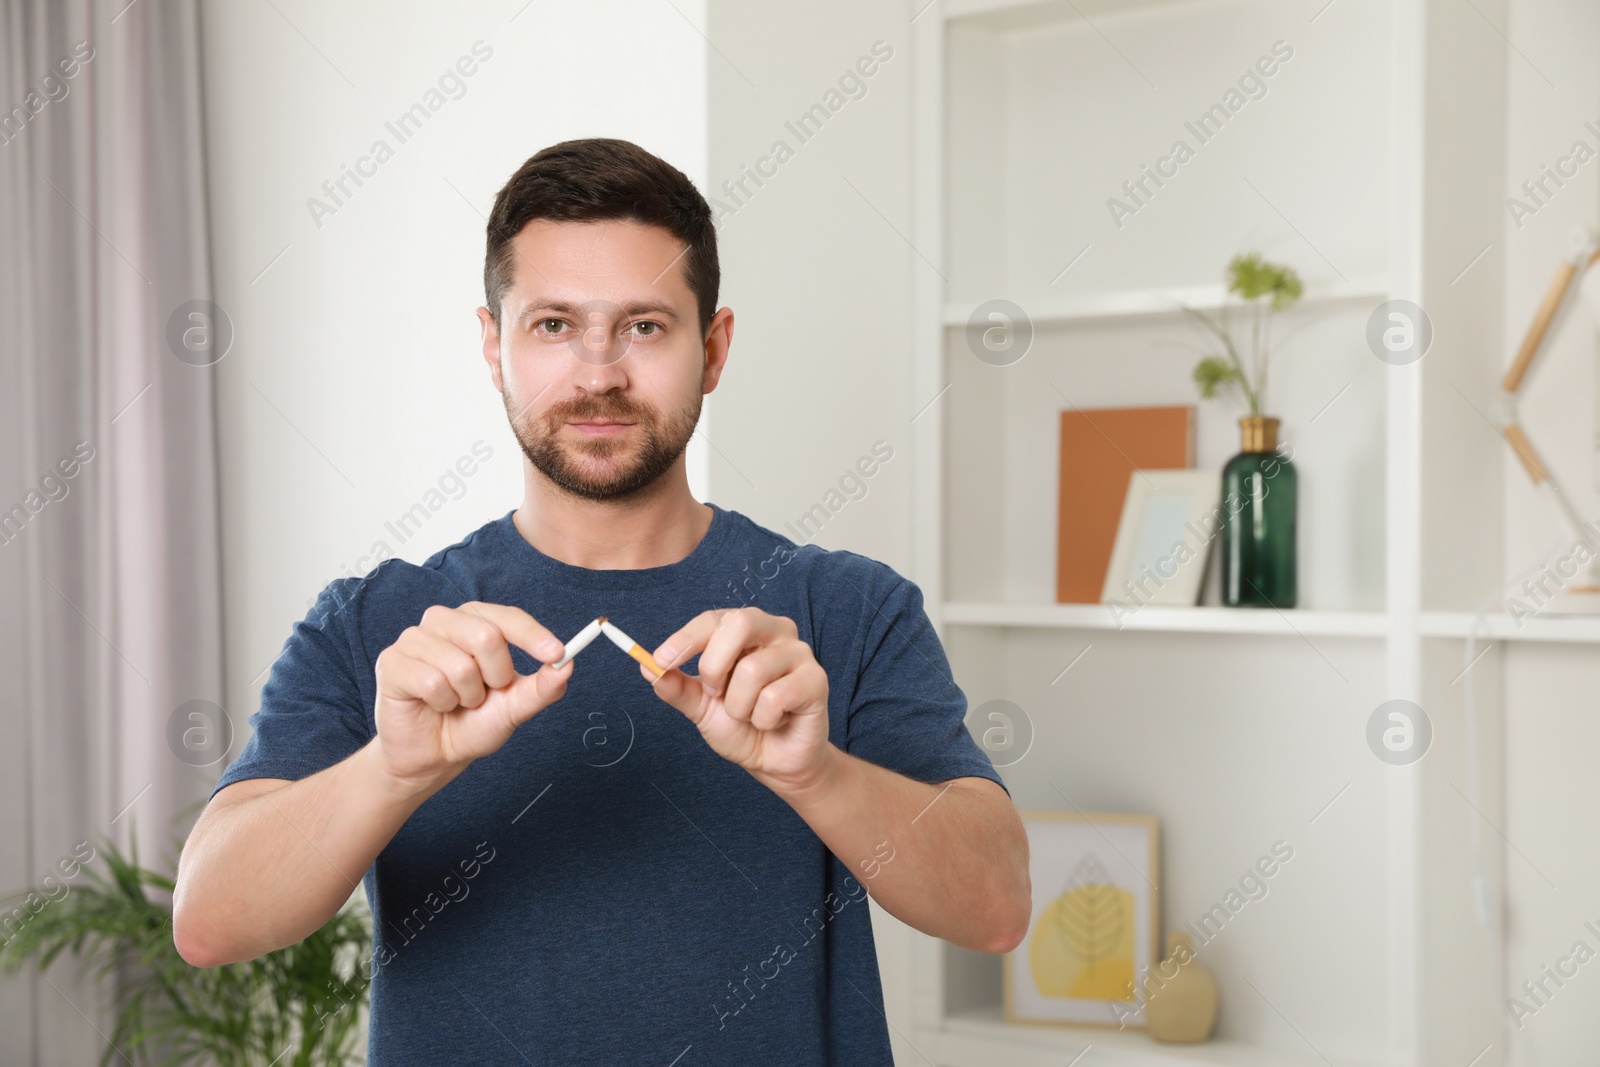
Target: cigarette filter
[(631, 647)]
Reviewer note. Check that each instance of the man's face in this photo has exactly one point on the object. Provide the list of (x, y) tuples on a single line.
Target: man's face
[(598, 355)]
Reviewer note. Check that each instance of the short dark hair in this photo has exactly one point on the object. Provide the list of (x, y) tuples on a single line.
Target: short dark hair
[(600, 178)]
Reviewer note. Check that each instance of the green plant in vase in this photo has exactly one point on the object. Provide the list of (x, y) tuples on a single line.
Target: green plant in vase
[(1259, 486), (297, 1007)]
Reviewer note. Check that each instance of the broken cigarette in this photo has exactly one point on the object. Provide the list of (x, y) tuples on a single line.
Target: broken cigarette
[(631, 647), (581, 641)]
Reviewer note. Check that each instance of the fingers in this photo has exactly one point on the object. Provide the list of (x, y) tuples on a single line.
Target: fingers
[(455, 656), (742, 630), (405, 677), (532, 693), (682, 691), (464, 682), (756, 678), (690, 640), (477, 637), (720, 637), (521, 629), (483, 631), (754, 662)]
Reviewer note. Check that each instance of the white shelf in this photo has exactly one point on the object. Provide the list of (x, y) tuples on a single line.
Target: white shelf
[(982, 1038), (1160, 303), (1577, 629), (1567, 629), (1022, 14), (1290, 623)]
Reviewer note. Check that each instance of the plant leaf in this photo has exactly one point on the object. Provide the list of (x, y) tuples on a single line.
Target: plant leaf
[(1214, 373), (237, 1015), (1252, 278)]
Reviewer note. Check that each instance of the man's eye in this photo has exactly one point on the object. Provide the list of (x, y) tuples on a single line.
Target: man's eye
[(545, 325), (650, 328)]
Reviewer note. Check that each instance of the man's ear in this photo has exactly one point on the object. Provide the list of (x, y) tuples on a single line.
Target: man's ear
[(719, 339), (491, 346)]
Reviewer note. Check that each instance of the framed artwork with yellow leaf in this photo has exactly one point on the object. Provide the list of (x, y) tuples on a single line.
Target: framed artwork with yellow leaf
[(1096, 923)]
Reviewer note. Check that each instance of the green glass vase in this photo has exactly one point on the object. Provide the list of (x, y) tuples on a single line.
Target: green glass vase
[(1258, 520)]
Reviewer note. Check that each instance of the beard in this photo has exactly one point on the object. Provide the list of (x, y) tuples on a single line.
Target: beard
[(604, 468)]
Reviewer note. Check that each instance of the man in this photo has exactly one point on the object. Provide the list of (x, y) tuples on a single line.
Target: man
[(562, 868)]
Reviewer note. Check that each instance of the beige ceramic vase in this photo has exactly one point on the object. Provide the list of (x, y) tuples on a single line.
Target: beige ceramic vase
[(1181, 996)]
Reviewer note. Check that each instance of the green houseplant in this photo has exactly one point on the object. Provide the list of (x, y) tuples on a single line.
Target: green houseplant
[(296, 1007), (1259, 486)]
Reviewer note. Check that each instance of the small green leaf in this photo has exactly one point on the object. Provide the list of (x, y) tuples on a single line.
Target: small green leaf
[(1252, 278), (1212, 374)]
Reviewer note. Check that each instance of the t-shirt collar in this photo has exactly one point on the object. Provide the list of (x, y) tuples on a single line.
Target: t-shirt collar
[(697, 566)]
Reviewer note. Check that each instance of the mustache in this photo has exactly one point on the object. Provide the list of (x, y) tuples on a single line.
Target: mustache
[(616, 409)]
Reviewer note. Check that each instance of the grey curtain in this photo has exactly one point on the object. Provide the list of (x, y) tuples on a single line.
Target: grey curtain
[(110, 620)]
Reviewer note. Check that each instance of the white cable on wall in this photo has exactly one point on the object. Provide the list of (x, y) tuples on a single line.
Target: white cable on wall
[(1490, 912)]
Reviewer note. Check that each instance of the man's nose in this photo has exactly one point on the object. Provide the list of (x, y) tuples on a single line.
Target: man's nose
[(599, 343), (596, 337)]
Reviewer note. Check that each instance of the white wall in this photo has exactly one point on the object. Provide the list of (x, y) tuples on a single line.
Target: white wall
[(355, 382), (818, 270), (1552, 792), (816, 265)]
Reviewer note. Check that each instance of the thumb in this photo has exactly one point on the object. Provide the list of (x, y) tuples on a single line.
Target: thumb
[(682, 691), (532, 693)]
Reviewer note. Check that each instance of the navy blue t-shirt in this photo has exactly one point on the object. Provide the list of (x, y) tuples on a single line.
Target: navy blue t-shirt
[(605, 888)]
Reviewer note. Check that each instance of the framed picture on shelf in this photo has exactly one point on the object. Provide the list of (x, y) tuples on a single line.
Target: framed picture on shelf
[(1096, 920), (1168, 521)]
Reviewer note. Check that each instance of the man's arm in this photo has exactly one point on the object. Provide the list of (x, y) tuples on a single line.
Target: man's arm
[(949, 859), (760, 699), (271, 860)]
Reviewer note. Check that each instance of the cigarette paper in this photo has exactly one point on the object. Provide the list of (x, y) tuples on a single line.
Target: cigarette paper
[(581, 640), (631, 647)]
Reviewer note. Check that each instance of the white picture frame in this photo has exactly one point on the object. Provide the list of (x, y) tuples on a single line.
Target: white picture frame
[(1169, 519), (1115, 858)]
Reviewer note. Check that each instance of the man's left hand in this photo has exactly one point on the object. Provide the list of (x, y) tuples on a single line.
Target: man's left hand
[(760, 698)]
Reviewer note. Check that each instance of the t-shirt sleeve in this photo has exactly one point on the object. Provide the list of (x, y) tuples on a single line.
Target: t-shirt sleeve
[(312, 712), (907, 713)]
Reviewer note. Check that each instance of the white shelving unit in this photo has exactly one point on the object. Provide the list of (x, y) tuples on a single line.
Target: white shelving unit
[(1048, 309), (971, 1037), (1582, 630), (1168, 619), (1368, 953), (1496, 626)]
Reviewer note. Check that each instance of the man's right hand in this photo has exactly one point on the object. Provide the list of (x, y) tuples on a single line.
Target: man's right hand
[(447, 692)]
